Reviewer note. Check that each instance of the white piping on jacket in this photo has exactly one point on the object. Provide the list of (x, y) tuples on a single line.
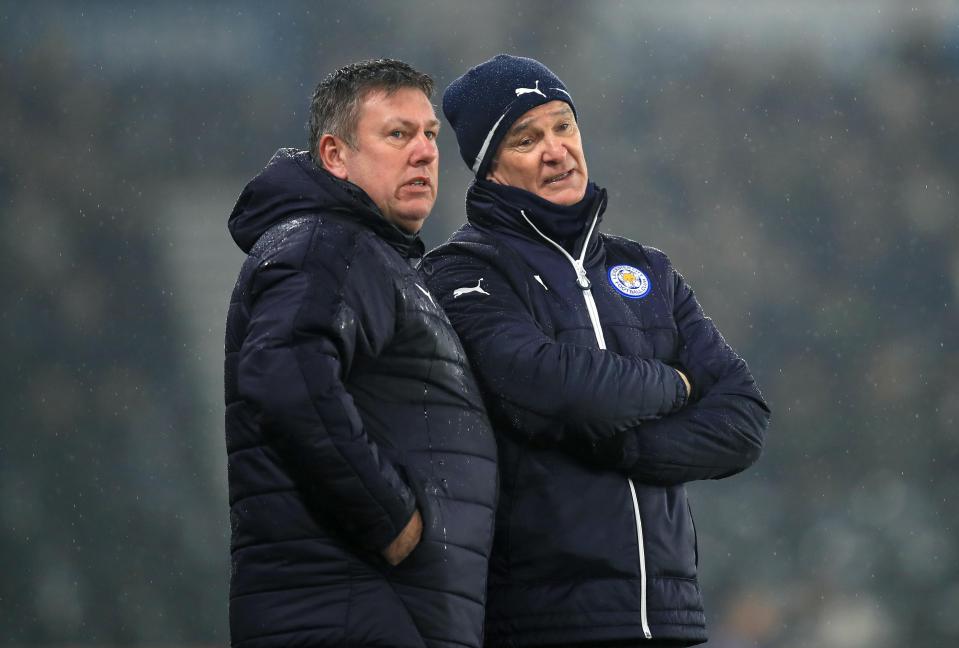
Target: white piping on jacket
[(642, 559), (583, 282)]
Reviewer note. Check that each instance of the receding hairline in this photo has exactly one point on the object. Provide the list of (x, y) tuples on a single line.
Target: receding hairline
[(388, 90)]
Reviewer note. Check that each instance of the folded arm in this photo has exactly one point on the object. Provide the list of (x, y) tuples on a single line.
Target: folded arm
[(544, 390), (717, 435)]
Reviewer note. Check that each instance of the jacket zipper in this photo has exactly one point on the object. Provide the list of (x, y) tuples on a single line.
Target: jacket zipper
[(581, 279), (583, 282)]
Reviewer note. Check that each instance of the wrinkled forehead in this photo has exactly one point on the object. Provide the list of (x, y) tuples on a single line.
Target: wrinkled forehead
[(406, 102), (549, 110)]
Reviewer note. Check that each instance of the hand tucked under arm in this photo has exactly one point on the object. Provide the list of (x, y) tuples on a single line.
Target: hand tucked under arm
[(717, 435), (689, 387)]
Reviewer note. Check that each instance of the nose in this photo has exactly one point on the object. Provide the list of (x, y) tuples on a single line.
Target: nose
[(553, 150), (424, 151)]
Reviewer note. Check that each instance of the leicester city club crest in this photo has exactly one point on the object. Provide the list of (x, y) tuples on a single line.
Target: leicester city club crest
[(629, 281)]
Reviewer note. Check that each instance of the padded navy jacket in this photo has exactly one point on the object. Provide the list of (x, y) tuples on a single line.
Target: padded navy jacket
[(594, 536), (349, 402)]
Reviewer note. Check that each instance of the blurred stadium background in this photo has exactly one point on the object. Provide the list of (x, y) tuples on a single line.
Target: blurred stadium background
[(799, 161)]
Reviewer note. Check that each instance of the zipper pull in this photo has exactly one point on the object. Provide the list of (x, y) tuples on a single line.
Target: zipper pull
[(581, 279)]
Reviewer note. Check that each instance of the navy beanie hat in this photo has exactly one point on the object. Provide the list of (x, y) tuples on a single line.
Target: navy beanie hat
[(482, 104)]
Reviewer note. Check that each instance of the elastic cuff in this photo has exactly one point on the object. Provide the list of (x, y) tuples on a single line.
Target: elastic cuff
[(683, 395)]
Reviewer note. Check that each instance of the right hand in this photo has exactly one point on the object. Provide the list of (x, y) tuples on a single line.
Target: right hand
[(406, 541)]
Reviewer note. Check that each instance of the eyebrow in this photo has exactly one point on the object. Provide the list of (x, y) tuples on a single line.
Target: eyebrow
[(433, 123), (522, 125)]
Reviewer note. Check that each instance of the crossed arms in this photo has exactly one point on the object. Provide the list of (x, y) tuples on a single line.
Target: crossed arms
[(614, 411)]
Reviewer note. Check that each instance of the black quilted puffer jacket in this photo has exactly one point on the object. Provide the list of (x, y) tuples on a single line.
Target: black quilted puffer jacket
[(349, 402), (574, 335)]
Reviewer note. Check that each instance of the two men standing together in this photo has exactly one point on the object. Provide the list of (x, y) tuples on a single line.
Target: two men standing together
[(533, 379)]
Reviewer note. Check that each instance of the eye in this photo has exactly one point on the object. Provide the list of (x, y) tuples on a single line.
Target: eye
[(430, 135), (396, 133), (565, 126)]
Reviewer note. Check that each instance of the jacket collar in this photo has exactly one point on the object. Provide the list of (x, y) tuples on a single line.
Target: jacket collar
[(525, 215)]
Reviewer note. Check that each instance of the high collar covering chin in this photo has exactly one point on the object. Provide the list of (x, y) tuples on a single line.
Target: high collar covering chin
[(498, 206), (482, 104)]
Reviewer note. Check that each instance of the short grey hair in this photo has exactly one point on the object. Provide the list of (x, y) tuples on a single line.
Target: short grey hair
[(335, 107)]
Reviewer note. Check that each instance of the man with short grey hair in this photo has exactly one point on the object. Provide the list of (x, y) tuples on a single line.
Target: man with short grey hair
[(362, 466)]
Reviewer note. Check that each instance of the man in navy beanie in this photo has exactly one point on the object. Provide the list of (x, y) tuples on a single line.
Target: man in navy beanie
[(607, 385)]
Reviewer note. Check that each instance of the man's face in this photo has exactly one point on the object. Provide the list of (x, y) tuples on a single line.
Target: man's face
[(396, 161), (543, 154)]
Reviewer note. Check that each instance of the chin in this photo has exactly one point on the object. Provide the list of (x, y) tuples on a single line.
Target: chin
[(410, 222), (567, 197)]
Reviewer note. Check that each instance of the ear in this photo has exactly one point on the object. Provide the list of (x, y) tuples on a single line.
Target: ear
[(491, 173), (331, 153), (493, 176)]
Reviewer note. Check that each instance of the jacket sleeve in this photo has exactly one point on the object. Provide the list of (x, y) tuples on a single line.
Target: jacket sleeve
[(721, 432), (542, 390), (306, 328)]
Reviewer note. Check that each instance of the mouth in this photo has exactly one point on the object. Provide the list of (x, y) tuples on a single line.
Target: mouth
[(558, 178), (417, 182)]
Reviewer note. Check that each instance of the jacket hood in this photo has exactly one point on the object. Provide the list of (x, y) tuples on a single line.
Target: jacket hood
[(293, 185)]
